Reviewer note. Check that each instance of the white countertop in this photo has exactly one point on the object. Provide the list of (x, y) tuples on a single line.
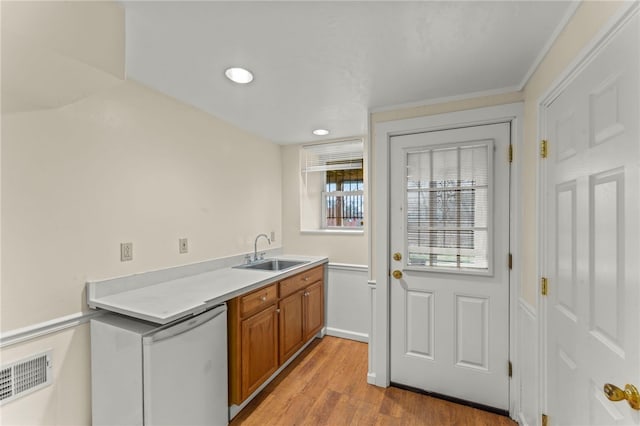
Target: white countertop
[(166, 301)]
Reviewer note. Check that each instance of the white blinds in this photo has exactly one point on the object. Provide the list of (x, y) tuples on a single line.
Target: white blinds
[(447, 206), (344, 155)]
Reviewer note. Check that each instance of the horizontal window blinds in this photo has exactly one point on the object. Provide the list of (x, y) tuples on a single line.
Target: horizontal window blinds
[(344, 155), (447, 206)]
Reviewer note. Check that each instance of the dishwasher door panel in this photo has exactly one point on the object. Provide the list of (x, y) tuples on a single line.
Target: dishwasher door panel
[(185, 372)]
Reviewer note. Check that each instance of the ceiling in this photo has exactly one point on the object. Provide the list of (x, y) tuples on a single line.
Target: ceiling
[(321, 64)]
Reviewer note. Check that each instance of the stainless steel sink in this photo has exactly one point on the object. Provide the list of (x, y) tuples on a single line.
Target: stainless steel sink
[(272, 264)]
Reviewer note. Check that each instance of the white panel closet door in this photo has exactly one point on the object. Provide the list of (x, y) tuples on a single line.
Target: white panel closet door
[(593, 237)]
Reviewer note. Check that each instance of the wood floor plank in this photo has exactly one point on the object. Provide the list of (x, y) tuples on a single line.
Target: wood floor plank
[(365, 414), (326, 385)]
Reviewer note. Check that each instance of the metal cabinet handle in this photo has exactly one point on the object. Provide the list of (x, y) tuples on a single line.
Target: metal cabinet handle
[(263, 298)]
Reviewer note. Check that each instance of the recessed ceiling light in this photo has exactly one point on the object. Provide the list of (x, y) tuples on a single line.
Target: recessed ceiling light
[(320, 132), (239, 75)]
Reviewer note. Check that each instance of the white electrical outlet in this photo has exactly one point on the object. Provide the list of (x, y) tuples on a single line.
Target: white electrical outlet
[(183, 245), (273, 236), (126, 252)]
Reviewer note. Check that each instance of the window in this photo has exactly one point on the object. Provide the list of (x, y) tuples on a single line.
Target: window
[(332, 190), (447, 207), (343, 198)]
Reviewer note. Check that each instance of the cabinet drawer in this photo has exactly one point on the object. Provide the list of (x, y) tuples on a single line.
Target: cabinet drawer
[(303, 279), (255, 301)]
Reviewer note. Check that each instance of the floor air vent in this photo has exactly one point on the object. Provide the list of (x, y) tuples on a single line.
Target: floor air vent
[(22, 377)]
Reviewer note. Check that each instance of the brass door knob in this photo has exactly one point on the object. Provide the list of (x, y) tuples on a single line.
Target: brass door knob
[(630, 393), (397, 274), (397, 256)]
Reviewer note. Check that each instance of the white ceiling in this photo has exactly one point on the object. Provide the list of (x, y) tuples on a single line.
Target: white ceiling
[(327, 64)]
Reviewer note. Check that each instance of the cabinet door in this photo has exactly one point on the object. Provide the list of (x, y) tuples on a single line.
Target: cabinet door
[(259, 349), (313, 309), (291, 325)]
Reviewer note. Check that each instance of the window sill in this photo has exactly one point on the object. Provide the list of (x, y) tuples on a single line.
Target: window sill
[(332, 231)]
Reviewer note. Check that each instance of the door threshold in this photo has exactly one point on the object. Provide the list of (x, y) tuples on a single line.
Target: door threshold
[(453, 399)]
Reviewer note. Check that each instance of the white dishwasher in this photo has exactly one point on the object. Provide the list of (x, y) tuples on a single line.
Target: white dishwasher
[(146, 374)]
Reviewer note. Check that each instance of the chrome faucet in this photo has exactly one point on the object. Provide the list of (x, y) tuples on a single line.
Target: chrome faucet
[(255, 246)]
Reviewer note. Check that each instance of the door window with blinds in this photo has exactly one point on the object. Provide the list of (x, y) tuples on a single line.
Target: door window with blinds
[(448, 207), (332, 186)]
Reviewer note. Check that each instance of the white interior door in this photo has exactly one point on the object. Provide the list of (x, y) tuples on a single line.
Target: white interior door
[(450, 230), (592, 237)]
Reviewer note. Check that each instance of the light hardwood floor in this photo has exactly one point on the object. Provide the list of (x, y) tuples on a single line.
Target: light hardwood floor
[(327, 385)]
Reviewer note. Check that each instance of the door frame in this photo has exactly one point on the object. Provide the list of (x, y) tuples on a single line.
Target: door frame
[(615, 24), (513, 113)]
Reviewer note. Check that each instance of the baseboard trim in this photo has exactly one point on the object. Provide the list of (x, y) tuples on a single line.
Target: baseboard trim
[(347, 334), (371, 378), (521, 419), (42, 329)]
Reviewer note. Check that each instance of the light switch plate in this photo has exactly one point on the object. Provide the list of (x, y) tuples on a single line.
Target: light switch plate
[(126, 252)]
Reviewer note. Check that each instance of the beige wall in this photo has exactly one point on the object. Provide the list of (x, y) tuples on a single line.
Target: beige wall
[(91, 32), (55, 53), (89, 161), (346, 248)]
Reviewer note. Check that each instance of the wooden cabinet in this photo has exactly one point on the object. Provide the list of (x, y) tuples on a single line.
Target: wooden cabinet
[(313, 309), (259, 348), (253, 341), (301, 317), (292, 332), (269, 325)]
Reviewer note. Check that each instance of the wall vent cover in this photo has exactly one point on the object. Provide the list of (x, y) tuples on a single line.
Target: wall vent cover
[(25, 376)]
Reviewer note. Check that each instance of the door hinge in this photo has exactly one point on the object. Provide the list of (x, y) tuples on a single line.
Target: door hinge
[(543, 149), (544, 286), (510, 261), (545, 420), (510, 369), (510, 153)]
